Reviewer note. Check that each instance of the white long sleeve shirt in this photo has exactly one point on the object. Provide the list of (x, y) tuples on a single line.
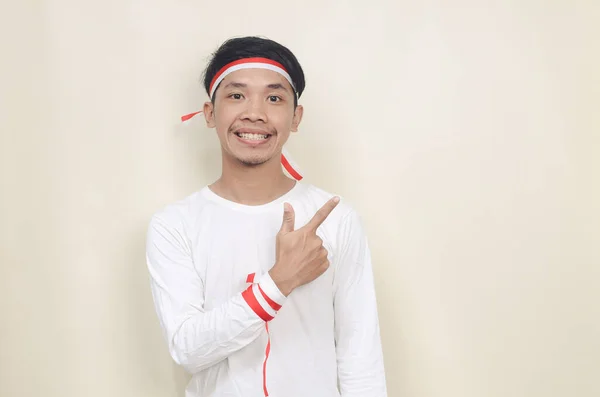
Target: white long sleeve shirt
[(227, 323)]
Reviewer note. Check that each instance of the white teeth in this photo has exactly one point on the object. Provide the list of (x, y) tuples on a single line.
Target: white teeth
[(253, 137)]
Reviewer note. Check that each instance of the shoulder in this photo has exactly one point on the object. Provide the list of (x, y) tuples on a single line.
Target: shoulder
[(342, 228), (176, 215)]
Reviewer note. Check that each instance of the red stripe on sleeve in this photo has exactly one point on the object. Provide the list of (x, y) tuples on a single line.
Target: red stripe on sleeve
[(276, 306), (251, 300)]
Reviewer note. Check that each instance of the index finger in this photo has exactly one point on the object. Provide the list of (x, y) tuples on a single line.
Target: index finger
[(323, 213)]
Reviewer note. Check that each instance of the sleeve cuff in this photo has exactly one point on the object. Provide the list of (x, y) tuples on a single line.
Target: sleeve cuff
[(264, 298), (268, 286)]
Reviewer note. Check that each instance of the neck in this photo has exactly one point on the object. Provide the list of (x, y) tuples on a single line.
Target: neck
[(252, 185)]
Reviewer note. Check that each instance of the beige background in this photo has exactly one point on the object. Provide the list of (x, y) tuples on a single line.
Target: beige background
[(466, 133)]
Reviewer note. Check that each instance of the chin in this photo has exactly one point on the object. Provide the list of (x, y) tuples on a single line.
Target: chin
[(252, 161), (249, 160)]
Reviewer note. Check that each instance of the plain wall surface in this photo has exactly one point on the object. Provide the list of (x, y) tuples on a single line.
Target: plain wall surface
[(466, 133)]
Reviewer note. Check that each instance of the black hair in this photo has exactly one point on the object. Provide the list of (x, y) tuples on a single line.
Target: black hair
[(249, 47)]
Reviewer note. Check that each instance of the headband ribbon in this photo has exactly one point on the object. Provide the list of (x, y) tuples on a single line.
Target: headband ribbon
[(248, 63)]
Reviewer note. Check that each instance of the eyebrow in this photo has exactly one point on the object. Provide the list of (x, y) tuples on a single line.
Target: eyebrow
[(277, 86), (236, 85)]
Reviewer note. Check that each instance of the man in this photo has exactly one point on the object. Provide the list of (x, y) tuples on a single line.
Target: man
[(263, 285)]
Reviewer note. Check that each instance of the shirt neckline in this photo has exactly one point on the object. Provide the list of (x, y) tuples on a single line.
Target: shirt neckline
[(212, 196)]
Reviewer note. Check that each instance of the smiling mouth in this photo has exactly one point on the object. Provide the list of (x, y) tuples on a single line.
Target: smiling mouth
[(252, 136)]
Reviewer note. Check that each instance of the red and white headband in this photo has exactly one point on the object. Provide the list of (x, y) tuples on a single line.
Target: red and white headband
[(248, 63), (253, 63)]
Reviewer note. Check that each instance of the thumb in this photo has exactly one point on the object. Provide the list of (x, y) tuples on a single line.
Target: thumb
[(288, 218)]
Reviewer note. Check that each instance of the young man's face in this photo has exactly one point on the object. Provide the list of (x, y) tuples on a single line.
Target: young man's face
[(254, 114)]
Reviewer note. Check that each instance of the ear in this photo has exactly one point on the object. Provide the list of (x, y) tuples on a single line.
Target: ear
[(209, 114), (297, 118)]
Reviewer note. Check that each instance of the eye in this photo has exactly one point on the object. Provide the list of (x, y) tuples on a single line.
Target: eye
[(274, 98), (235, 96)]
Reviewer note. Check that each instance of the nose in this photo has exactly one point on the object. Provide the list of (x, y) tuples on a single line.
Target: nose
[(254, 111)]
